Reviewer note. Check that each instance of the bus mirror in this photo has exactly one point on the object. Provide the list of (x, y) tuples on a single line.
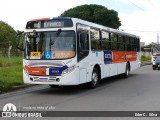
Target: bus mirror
[(34, 33), (59, 32), (19, 34)]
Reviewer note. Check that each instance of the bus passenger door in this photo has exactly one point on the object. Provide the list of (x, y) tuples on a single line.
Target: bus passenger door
[(83, 75), (82, 53), (83, 71)]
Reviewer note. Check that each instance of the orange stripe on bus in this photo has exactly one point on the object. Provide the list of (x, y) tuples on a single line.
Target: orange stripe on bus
[(118, 57), (35, 71), (131, 56), (39, 19)]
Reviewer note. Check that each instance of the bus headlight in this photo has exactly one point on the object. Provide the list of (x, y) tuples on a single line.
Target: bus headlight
[(154, 63), (68, 70), (26, 71)]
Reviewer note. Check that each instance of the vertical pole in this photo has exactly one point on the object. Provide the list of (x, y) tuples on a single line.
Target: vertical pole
[(158, 37), (9, 53)]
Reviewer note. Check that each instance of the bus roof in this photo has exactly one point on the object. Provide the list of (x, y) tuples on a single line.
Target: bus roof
[(95, 25), (87, 23)]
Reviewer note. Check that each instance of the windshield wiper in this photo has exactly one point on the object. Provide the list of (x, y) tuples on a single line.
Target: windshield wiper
[(57, 35)]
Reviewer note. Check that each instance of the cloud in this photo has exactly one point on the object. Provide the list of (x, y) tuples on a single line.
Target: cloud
[(144, 23)]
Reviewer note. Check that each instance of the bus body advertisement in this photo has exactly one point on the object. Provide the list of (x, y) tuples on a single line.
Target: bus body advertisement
[(71, 51)]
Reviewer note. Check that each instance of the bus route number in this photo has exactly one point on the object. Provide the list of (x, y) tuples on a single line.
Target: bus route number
[(35, 55)]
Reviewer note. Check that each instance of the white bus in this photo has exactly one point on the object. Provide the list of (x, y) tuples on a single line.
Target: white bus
[(71, 51)]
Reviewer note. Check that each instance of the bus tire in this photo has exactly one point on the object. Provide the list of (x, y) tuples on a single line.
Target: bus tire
[(94, 79), (126, 74)]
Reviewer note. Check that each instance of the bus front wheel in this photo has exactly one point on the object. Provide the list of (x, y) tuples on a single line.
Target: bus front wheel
[(94, 79)]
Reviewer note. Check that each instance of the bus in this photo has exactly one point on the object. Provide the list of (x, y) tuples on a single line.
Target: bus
[(70, 51), (155, 51)]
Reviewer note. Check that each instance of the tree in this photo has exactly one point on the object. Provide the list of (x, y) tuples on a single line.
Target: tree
[(94, 13), (7, 33), (149, 45)]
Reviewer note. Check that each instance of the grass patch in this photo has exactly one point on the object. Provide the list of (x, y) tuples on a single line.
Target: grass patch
[(145, 58), (4, 61), (10, 75)]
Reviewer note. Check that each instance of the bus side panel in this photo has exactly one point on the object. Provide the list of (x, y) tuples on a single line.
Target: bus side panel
[(84, 69), (118, 58), (106, 70), (135, 61), (96, 57), (134, 65), (83, 75), (113, 69), (121, 67), (107, 61)]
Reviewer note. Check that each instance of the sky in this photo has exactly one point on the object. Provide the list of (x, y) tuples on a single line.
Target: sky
[(139, 17)]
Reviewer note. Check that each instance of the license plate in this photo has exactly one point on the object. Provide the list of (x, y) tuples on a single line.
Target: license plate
[(43, 79)]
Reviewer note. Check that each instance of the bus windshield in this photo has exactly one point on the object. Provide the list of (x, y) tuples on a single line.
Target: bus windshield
[(155, 49), (50, 45)]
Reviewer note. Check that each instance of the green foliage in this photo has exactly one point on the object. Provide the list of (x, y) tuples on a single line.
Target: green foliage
[(149, 45), (94, 13), (145, 58), (10, 75), (4, 61), (7, 33)]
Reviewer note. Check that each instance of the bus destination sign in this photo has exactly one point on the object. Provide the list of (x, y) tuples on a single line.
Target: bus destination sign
[(53, 23)]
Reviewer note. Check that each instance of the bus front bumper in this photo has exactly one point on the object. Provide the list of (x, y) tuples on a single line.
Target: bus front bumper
[(67, 79)]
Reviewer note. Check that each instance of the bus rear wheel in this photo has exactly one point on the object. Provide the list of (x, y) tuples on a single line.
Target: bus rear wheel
[(94, 79)]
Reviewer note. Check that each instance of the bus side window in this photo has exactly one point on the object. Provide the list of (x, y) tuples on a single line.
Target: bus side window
[(95, 39), (83, 45), (114, 41), (127, 44)]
